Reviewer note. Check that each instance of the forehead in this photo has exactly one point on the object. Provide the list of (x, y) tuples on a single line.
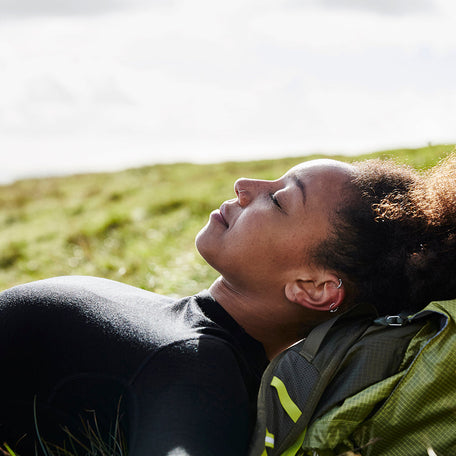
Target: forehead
[(323, 167), (324, 182)]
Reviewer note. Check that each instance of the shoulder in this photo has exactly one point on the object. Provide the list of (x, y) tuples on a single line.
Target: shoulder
[(88, 302), (74, 286), (81, 293)]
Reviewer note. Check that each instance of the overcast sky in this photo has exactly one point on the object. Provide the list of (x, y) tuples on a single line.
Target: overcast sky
[(105, 84)]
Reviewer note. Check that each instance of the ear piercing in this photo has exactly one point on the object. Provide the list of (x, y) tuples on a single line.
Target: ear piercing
[(333, 308)]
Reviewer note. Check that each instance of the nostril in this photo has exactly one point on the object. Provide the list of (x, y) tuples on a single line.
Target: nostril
[(243, 197), (237, 186), (242, 188), (241, 185)]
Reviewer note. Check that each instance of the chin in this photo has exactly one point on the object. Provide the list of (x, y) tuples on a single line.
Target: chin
[(206, 247), (200, 242)]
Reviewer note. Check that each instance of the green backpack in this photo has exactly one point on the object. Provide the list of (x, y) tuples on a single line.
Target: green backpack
[(337, 391)]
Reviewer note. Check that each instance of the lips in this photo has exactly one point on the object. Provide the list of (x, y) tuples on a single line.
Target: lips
[(223, 214)]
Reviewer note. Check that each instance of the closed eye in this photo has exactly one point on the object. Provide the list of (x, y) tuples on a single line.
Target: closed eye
[(275, 200)]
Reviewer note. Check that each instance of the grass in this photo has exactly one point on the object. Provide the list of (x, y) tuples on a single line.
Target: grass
[(92, 441), (137, 226)]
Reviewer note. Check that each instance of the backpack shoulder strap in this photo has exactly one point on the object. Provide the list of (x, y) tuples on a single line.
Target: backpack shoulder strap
[(294, 381)]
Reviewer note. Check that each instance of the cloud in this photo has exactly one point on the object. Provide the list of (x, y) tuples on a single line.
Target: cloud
[(32, 8), (383, 7), (388, 7), (48, 90), (337, 32)]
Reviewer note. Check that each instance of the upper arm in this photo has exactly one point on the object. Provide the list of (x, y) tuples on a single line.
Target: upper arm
[(191, 400)]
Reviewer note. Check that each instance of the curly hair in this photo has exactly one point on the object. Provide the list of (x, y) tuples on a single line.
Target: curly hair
[(394, 242)]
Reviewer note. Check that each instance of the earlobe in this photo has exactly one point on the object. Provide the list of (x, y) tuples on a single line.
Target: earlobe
[(326, 295)]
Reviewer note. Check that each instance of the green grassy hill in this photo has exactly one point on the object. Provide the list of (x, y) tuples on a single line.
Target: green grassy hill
[(137, 226)]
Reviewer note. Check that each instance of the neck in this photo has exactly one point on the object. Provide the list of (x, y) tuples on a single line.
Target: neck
[(270, 319)]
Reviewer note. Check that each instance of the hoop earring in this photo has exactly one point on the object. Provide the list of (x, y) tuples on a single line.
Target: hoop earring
[(333, 308), (340, 283)]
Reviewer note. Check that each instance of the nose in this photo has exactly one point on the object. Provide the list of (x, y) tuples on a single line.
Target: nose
[(246, 190)]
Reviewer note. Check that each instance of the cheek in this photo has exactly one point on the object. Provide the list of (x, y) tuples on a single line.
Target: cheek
[(251, 234), (291, 248)]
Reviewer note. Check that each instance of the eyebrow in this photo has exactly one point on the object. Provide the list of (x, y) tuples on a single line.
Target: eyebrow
[(301, 187)]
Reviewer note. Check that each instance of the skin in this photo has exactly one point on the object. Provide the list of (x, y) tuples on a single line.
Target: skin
[(260, 242)]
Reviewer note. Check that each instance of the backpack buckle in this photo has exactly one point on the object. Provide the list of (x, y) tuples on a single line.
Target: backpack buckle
[(392, 320)]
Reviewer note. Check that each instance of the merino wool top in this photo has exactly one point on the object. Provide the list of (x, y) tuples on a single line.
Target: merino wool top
[(180, 377)]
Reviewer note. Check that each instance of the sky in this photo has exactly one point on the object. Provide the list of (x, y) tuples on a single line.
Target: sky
[(90, 85)]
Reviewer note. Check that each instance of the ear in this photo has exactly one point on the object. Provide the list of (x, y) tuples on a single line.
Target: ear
[(323, 293)]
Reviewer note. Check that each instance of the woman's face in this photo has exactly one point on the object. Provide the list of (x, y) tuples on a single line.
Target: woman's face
[(257, 239)]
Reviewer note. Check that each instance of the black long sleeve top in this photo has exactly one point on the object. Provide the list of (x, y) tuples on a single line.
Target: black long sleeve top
[(181, 375)]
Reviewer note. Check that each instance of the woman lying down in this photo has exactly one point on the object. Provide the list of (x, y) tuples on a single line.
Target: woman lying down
[(181, 376)]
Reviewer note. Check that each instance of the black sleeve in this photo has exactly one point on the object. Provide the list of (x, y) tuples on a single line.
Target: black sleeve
[(190, 399)]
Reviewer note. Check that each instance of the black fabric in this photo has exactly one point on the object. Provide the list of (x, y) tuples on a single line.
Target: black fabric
[(184, 372)]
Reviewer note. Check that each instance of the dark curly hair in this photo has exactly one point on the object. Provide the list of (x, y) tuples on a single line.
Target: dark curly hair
[(394, 241)]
